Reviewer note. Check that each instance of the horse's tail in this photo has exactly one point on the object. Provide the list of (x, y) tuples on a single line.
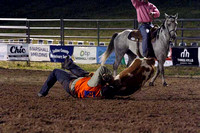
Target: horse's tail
[(109, 49)]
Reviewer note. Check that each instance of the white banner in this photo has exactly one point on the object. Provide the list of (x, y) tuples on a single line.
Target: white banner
[(17, 51), (39, 52), (3, 52), (166, 64), (85, 55), (168, 61)]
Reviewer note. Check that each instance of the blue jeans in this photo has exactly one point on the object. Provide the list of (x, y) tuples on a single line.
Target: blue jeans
[(146, 39), (59, 75)]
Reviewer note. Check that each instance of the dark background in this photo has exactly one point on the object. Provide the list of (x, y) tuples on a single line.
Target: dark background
[(100, 9)]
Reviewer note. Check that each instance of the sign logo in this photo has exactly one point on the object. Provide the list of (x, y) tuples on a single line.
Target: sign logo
[(54, 51), (84, 53), (16, 49), (185, 53)]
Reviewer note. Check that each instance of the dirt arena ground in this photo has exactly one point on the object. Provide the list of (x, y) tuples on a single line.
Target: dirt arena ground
[(157, 109)]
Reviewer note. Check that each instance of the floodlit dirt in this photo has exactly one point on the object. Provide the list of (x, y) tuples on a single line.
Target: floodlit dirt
[(157, 109)]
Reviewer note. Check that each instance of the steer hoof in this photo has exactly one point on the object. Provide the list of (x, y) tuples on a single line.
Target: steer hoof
[(151, 84), (165, 84)]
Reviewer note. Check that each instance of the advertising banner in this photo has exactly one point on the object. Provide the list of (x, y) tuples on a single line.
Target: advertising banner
[(85, 55), (124, 60), (167, 63), (39, 52), (100, 51), (3, 52), (187, 56), (59, 53), (17, 51)]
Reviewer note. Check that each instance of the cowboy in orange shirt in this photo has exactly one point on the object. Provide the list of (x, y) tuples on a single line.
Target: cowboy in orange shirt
[(80, 83)]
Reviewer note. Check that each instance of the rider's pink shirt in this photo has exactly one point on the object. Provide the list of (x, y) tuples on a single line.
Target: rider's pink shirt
[(143, 11)]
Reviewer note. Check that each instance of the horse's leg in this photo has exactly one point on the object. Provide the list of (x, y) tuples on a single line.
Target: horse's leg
[(118, 58), (115, 67), (131, 57), (155, 76), (160, 68)]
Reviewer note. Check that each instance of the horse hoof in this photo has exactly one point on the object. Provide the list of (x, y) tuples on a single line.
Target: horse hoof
[(151, 84), (165, 84)]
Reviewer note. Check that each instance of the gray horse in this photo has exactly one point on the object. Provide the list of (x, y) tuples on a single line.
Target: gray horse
[(122, 45)]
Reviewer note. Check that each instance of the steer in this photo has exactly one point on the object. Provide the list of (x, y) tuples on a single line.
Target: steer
[(135, 76)]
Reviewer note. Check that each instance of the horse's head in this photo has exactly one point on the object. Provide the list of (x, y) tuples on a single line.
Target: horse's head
[(171, 25)]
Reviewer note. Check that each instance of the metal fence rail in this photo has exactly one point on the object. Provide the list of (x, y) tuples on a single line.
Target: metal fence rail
[(62, 28)]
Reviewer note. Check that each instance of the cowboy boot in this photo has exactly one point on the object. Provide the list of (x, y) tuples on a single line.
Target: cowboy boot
[(67, 63), (71, 66)]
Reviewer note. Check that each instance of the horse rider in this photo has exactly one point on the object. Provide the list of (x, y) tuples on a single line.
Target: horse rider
[(80, 83), (146, 12)]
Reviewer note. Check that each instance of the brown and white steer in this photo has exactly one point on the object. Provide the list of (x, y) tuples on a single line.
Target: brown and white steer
[(135, 76)]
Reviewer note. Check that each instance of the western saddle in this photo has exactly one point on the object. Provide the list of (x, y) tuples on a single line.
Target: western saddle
[(136, 36)]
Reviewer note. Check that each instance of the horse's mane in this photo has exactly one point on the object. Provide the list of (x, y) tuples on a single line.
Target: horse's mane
[(163, 25)]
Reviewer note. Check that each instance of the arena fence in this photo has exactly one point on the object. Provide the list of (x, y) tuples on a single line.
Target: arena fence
[(17, 36), (26, 29)]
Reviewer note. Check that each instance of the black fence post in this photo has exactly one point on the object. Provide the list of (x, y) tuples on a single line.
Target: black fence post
[(28, 32), (182, 32), (28, 39), (98, 33), (135, 24), (62, 36)]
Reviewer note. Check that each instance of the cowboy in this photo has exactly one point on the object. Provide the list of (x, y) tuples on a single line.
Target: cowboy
[(146, 12), (80, 83)]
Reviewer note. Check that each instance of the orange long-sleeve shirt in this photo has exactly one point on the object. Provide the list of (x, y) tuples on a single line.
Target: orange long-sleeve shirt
[(82, 89)]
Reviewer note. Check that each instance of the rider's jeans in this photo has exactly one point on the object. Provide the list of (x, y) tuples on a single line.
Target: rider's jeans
[(145, 31)]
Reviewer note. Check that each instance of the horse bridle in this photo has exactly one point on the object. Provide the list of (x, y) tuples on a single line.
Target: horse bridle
[(171, 38)]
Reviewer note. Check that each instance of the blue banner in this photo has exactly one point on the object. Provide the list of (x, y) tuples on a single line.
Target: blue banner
[(100, 51), (59, 53)]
